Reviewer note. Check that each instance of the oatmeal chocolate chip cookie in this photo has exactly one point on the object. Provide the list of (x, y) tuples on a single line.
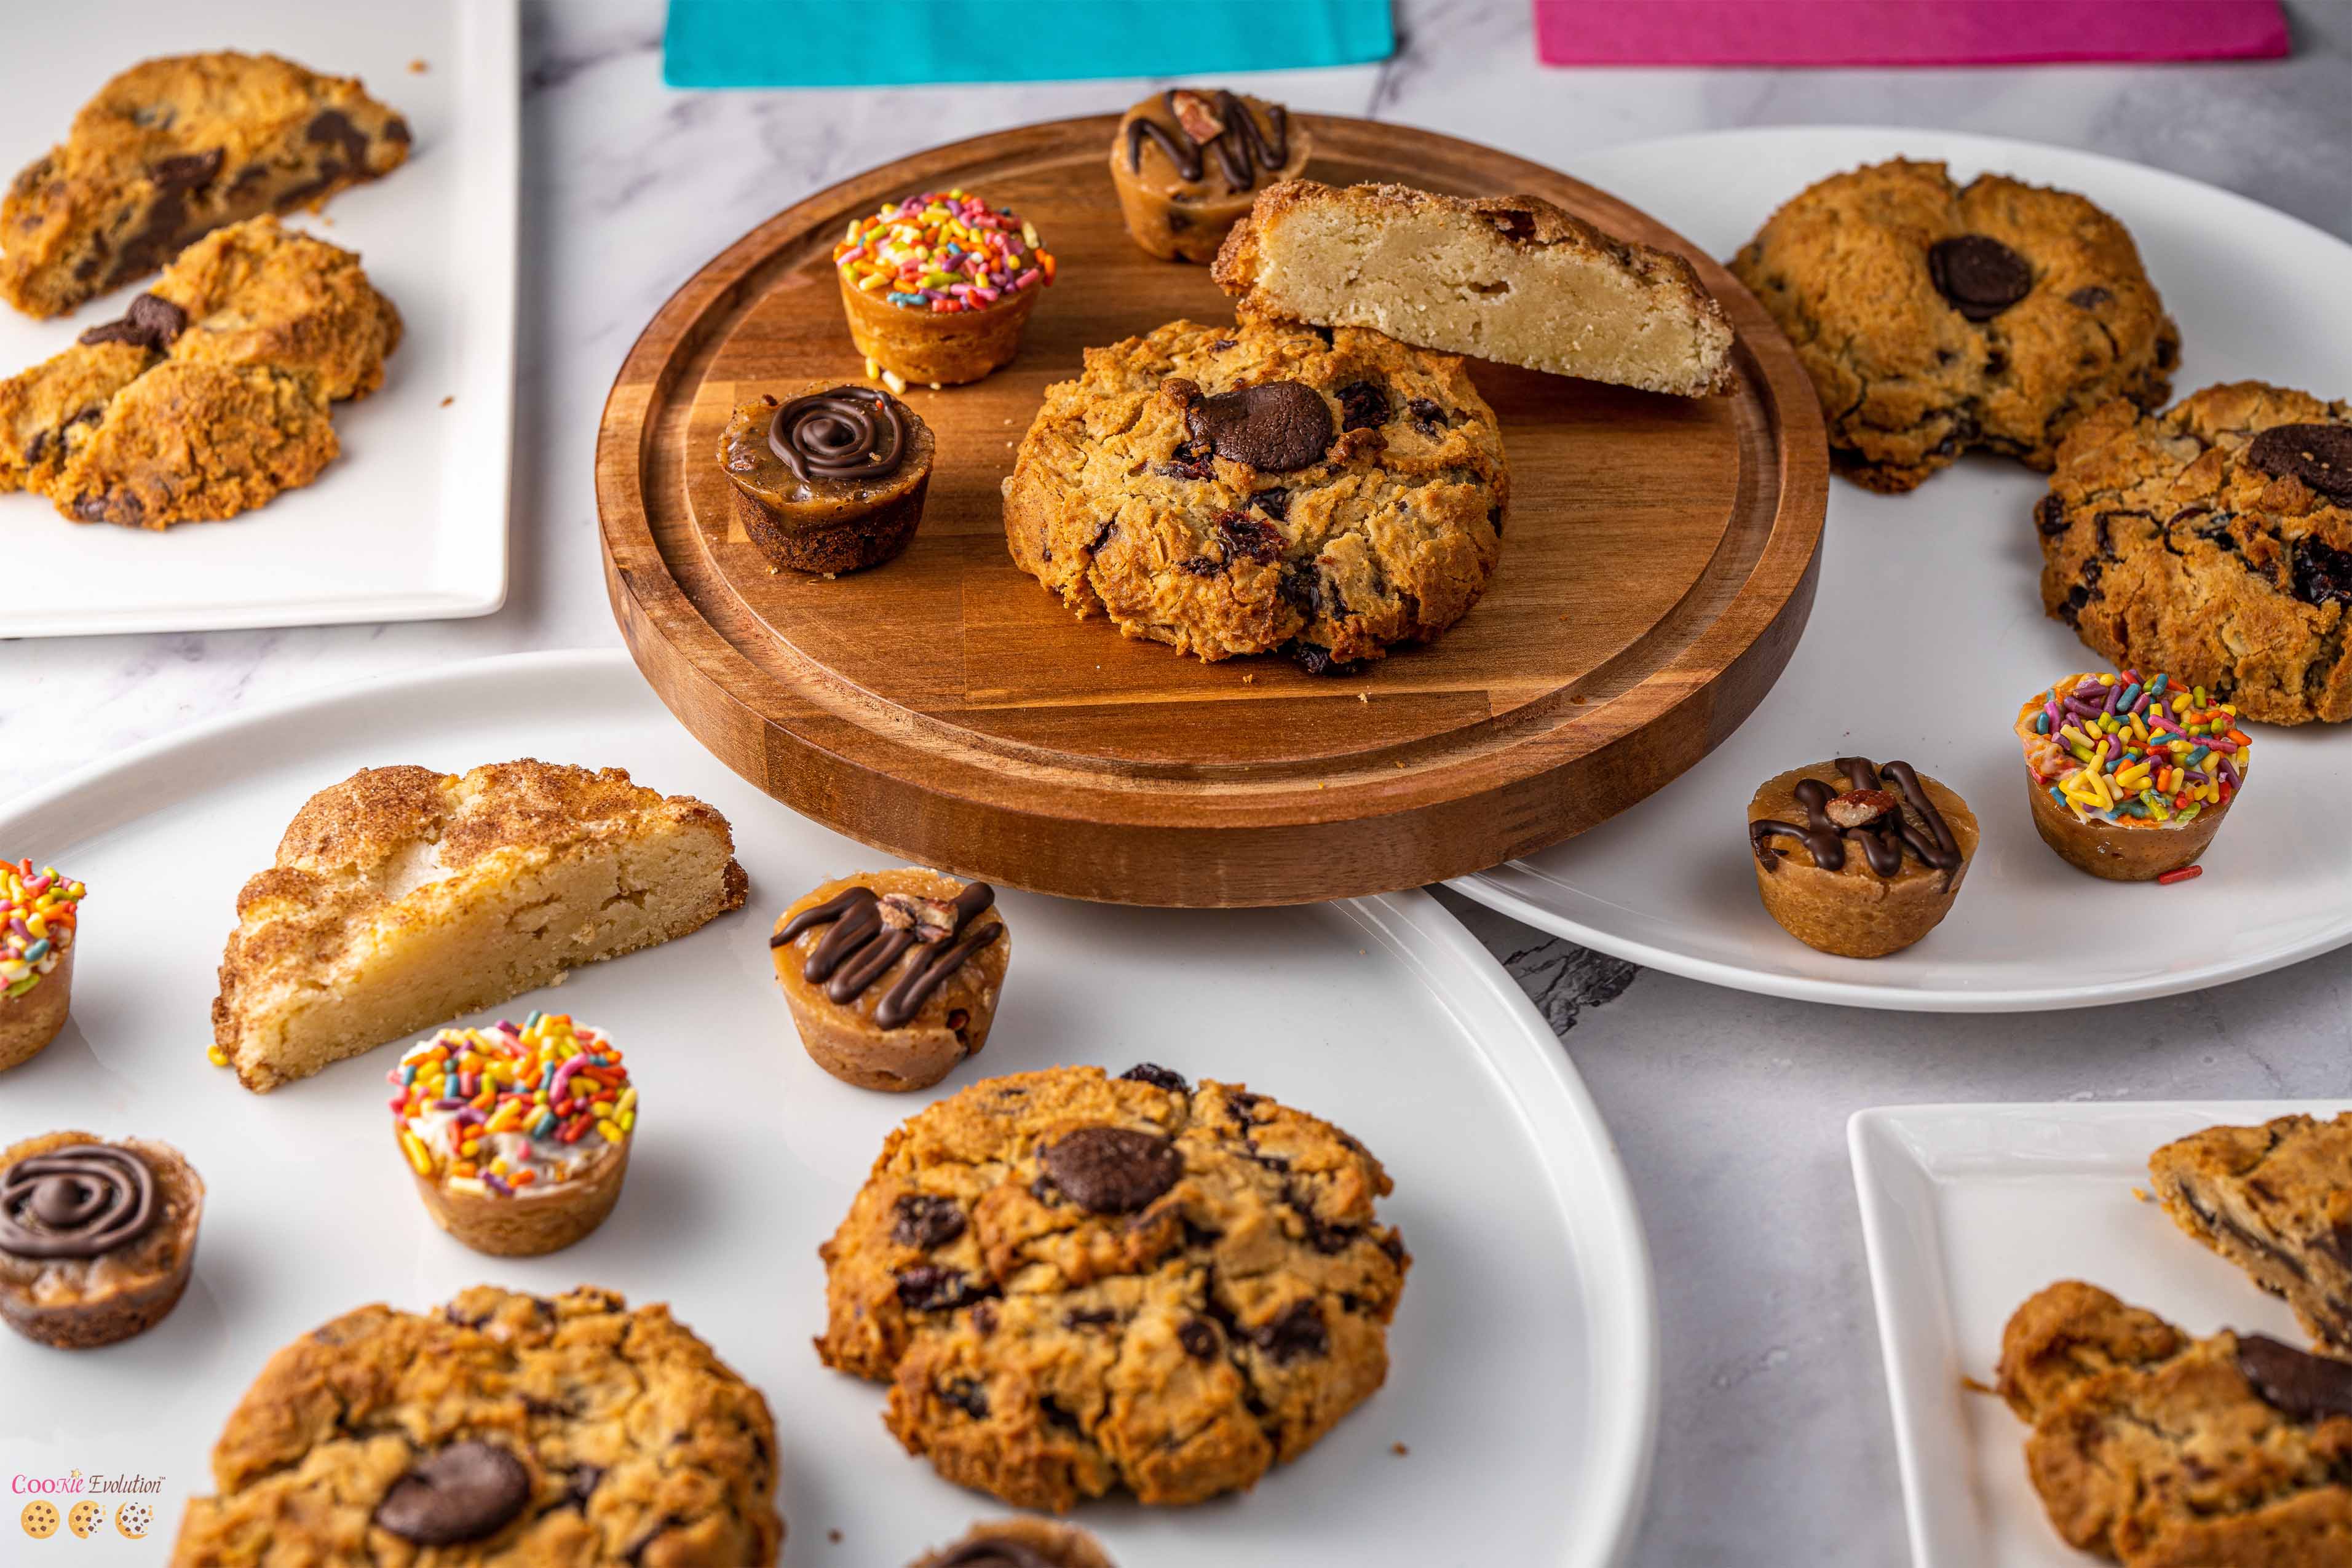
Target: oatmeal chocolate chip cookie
[(2162, 1451), (1074, 1283), (2213, 541), (1934, 318), (503, 1430), (1262, 487), (2275, 1200), (172, 149)]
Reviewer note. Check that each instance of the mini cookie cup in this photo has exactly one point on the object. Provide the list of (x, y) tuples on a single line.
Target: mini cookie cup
[(29, 1022), (542, 1218), (81, 1303), (1852, 911), (936, 347)]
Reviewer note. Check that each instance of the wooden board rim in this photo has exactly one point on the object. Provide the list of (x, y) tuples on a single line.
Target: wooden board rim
[(1022, 820)]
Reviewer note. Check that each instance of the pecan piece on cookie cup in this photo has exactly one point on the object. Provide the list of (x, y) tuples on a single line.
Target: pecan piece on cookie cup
[(2129, 780)]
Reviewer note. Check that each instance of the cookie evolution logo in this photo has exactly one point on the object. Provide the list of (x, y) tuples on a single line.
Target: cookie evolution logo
[(71, 1500)]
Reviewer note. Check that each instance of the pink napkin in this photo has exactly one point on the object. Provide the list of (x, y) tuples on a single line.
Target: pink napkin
[(1903, 32)]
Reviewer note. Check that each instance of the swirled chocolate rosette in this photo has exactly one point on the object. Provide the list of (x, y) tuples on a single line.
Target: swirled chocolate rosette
[(97, 1239), (830, 479)]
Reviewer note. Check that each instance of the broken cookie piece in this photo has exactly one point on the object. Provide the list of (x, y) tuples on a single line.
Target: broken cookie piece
[(2275, 1200)]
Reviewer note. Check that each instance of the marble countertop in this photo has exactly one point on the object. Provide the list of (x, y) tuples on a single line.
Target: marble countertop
[(1775, 1445)]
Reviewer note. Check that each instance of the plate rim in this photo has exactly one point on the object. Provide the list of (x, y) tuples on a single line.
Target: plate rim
[(488, 123), (1611, 1253), (1505, 887), (1876, 1140)]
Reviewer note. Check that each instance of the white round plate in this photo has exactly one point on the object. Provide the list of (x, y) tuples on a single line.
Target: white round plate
[(1929, 632), (1525, 1373)]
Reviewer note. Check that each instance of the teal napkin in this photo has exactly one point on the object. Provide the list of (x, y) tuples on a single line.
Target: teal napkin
[(894, 43)]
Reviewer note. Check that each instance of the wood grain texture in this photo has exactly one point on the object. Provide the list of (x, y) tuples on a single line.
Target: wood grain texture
[(1658, 564)]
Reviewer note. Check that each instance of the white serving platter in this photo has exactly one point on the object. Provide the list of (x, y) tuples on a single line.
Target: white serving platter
[(1524, 1385), (410, 523), (1929, 632), (1969, 1209)]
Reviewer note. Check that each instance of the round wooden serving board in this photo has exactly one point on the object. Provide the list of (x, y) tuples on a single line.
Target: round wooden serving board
[(1657, 566)]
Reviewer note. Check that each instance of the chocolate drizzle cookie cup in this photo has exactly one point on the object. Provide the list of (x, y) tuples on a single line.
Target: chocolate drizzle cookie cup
[(1858, 860), (518, 1138), (830, 480), (893, 977), (97, 1239), (2129, 780), (939, 287), (1188, 163), (39, 917)]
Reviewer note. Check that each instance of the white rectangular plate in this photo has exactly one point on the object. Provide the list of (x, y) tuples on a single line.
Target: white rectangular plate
[(410, 523), (1969, 1210)]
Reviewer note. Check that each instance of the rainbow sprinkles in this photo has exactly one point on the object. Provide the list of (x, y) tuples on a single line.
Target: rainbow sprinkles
[(2114, 749), (502, 1110), (943, 252), (38, 914)]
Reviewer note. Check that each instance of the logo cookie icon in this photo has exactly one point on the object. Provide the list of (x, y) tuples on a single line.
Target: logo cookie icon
[(85, 1517), (135, 1520), (39, 1518)]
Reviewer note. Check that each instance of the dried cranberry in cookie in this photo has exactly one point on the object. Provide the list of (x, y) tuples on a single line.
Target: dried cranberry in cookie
[(1856, 859), (893, 977), (1936, 317), (1188, 161)]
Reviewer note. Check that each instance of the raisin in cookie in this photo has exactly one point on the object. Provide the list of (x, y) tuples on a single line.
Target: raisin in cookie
[(2163, 1451), (172, 149), (1934, 316), (2213, 541), (1262, 487), (505, 1431), (1074, 1283), (2275, 1200)]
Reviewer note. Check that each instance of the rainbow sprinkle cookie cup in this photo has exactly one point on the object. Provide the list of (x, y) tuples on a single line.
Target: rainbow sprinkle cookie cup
[(2129, 780), (518, 1137), (939, 287), (38, 914)]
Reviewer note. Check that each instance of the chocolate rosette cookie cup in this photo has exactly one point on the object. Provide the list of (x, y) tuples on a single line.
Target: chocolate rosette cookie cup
[(1858, 860), (939, 287), (1020, 1543), (38, 915), (893, 977), (518, 1138), (97, 1239), (1188, 163), (2129, 780), (830, 479)]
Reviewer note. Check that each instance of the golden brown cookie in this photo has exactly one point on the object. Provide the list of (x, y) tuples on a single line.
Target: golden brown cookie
[(1936, 317), (1261, 489), (172, 149), (97, 1239), (501, 1431), (2162, 1451), (1858, 860), (2275, 1200), (2213, 541), (1075, 1284)]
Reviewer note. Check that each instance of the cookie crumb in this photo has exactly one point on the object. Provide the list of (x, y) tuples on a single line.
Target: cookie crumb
[(1399, 1449), (834, 1536), (448, 400), (418, 67), (1365, 698)]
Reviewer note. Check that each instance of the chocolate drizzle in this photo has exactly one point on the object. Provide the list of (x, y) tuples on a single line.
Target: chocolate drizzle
[(1241, 144), (1884, 841), (849, 432), (79, 1202), (869, 933)]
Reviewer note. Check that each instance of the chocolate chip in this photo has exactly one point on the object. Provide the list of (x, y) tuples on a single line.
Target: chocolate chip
[(151, 321), (98, 506), (2318, 455), (1112, 1170), (1157, 1077), (334, 127), (2090, 297), (1427, 416), (1222, 344), (1088, 1317), (1246, 539), (1315, 660), (464, 1492), (1275, 503), (1301, 588), (2304, 1386), (35, 447), (581, 1486), (968, 1396), (1980, 275), (2050, 515), (1056, 1414), (1199, 1338), (186, 171), (928, 1288), (1201, 565), (984, 1317), (2322, 575), (1298, 1331), (1363, 406), (1276, 428), (395, 129), (925, 1222), (1102, 537), (1190, 460)]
